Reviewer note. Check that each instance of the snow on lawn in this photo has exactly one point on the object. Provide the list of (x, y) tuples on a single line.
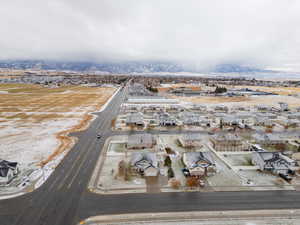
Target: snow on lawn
[(29, 124), (33, 128), (32, 143)]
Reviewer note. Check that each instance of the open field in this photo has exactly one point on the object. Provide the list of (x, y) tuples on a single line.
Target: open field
[(275, 90), (271, 100), (35, 121), (290, 95), (173, 86)]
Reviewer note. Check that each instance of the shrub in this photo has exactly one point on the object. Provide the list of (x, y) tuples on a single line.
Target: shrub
[(220, 90), (167, 162), (175, 183), (170, 173), (192, 182)]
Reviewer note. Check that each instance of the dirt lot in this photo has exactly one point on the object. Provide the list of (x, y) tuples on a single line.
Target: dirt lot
[(35, 120)]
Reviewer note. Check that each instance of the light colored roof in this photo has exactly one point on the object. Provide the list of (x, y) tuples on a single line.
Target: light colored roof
[(266, 137), (152, 101), (134, 118), (227, 137), (149, 157), (266, 156), (137, 139), (191, 158), (191, 137)]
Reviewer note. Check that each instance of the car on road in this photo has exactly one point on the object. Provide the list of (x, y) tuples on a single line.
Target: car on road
[(99, 136)]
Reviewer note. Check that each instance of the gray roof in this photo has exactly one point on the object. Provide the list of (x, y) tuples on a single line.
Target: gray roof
[(266, 137), (191, 159), (5, 166), (134, 118), (191, 137), (218, 107), (144, 158), (227, 137), (137, 139), (165, 117), (273, 156)]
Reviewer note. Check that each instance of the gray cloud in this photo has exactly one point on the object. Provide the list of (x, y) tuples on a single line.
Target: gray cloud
[(263, 32)]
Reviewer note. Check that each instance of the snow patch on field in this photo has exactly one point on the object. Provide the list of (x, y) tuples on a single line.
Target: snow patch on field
[(33, 143)]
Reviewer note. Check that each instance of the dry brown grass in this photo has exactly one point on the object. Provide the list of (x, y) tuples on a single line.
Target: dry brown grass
[(45, 117), (275, 90), (67, 142), (34, 98), (244, 100), (29, 104), (209, 99), (193, 87), (5, 77)]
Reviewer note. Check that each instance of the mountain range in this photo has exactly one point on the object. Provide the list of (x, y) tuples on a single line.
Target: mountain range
[(123, 68)]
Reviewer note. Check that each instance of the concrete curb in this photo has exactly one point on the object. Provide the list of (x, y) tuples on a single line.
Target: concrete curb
[(193, 215)]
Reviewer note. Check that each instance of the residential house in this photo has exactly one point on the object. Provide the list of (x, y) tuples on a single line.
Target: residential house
[(198, 107), (140, 141), (137, 89), (267, 115), (283, 106), (165, 119), (290, 123), (135, 119), (246, 118), (130, 108), (294, 116), (241, 108), (275, 162), (152, 100), (189, 118), (221, 108), (144, 163), (263, 121), (174, 108), (199, 163), (228, 142), (263, 108), (8, 170), (152, 108), (190, 140), (230, 121), (268, 139)]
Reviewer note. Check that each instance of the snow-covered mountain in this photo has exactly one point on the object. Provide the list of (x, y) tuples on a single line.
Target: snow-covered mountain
[(124, 68)]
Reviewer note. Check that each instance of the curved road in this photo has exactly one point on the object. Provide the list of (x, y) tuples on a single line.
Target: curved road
[(64, 199)]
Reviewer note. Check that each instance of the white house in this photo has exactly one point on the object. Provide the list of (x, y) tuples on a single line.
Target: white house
[(199, 163), (273, 161)]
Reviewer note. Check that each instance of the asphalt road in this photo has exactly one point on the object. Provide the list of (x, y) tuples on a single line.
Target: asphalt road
[(65, 200)]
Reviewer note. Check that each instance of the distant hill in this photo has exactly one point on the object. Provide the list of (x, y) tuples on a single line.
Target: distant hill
[(232, 68), (128, 67)]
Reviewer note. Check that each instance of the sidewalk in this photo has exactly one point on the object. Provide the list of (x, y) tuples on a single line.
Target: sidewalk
[(160, 218)]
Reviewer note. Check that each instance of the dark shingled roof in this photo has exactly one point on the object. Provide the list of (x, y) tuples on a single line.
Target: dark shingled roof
[(5, 166)]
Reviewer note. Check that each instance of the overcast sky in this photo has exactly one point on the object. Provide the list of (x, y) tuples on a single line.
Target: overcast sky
[(262, 32)]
